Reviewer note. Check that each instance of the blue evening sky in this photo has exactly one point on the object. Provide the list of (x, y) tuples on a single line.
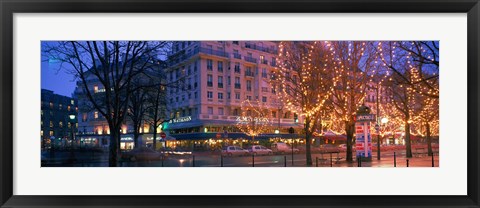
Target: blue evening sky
[(59, 81)]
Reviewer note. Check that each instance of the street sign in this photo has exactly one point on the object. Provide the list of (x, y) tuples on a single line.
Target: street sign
[(163, 135)]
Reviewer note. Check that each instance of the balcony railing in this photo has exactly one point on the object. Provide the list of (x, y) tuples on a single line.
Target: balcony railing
[(214, 52), (250, 59), (249, 74), (237, 56), (261, 48)]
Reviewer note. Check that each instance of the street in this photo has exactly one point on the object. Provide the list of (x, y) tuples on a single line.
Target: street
[(206, 159)]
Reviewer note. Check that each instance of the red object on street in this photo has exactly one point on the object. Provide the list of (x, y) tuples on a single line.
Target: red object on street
[(163, 135), (218, 135)]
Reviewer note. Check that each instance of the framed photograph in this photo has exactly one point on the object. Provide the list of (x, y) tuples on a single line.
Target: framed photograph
[(244, 104)]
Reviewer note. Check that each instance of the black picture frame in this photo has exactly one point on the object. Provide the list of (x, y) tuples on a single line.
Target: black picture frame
[(10, 7)]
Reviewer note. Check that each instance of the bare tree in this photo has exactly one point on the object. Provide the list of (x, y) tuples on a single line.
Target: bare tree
[(113, 64)]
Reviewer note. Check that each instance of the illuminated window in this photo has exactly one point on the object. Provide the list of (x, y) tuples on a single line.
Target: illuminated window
[(95, 88), (95, 115), (51, 133), (59, 106), (68, 108), (41, 133), (51, 105), (51, 124), (72, 102), (60, 124)]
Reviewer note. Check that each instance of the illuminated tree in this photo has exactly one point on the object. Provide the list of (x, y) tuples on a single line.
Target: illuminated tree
[(254, 119), (302, 82), (414, 73), (352, 71)]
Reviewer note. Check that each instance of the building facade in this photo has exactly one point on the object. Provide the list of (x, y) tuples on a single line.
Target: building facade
[(56, 126), (220, 76)]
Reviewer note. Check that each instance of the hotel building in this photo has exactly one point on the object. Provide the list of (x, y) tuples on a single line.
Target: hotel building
[(219, 76)]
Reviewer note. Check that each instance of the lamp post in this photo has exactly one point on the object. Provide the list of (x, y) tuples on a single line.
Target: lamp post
[(384, 121), (72, 140)]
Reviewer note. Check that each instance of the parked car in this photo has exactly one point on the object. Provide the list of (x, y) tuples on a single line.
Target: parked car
[(329, 148), (282, 148), (141, 154), (259, 150), (234, 151)]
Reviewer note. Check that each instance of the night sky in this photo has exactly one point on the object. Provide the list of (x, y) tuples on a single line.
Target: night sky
[(59, 81)]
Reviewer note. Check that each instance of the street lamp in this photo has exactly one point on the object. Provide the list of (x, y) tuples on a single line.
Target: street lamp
[(72, 140)]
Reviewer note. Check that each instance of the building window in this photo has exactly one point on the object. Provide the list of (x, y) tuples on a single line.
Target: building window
[(72, 102), (84, 117), (95, 88), (210, 111), (237, 67), (264, 99), (235, 42), (209, 64), (264, 89), (59, 106), (220, 66), (249, 97), (249, 85), (95, 115), (228, 80), (220, 96), (51, 124), (60, 124), (237, 83), (196, 95), (237, 96), (220, 111), (68, 108), (228, 95), (209, 80), (51, 105), (210, 94), (51, 133), (264, 72), (274, 114), (220, 81)]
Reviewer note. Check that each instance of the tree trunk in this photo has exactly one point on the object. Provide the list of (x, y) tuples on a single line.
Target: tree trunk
[(408, 144), (135, 139), (349, 129), (429, 140), (113, 147), (308, 138), (155, 136)]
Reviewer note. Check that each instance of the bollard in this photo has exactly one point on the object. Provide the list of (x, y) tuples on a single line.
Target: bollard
[(163, 158), (407, 162), (433, 160), (285, 160), (331, 160), (193, 162), (221, 160), (316, 161), (394, 159), (292, 155), (253, 160)]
